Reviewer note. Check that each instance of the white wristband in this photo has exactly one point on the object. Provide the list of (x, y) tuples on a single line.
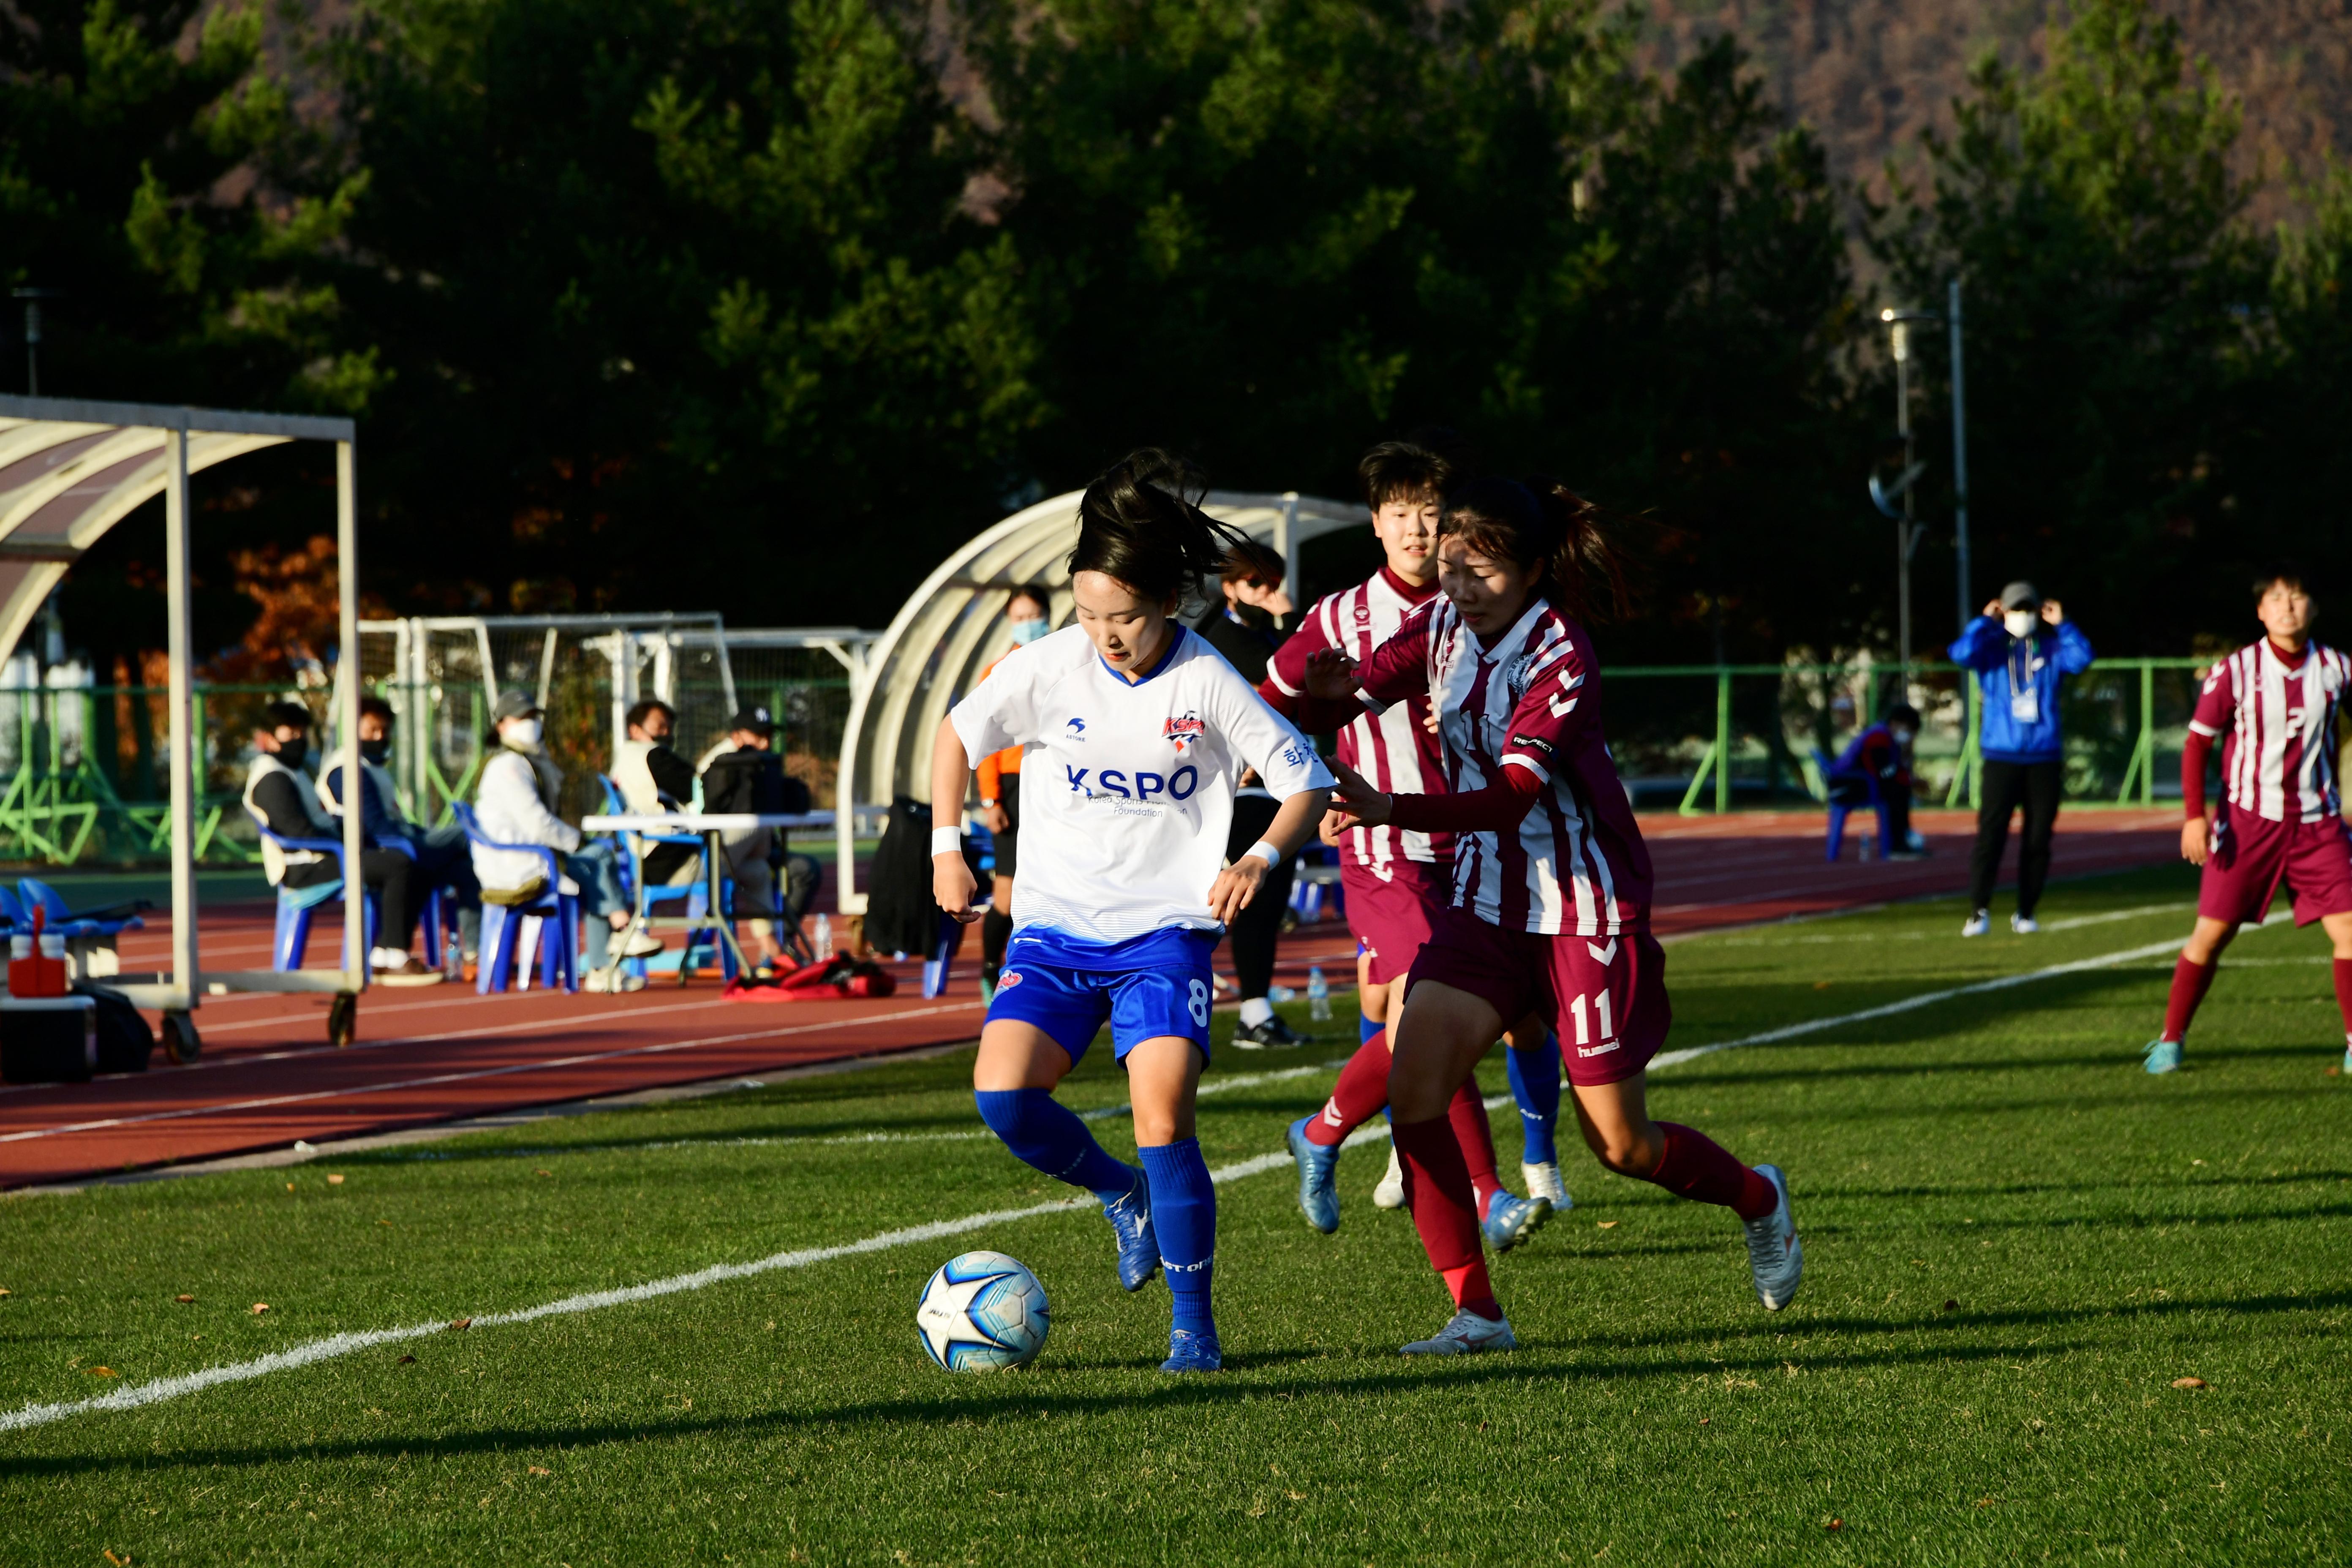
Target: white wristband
[(1272, 856), (947, 840)]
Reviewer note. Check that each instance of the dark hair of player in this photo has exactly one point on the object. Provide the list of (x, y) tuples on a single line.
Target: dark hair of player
[(1543, 524), (1901, 712), (375, 706), (1035, 594), (285, 716), (1402, 470), (1250, 561), (640, 711), (2287, 572), (1141, 524)]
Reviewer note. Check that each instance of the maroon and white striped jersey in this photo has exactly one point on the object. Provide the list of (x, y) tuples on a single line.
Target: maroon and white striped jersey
[(2279, 759), (1394, 750), (1575, 863)]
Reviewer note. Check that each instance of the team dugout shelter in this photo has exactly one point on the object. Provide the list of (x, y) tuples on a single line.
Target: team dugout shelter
[(69, 470), (951, 628)]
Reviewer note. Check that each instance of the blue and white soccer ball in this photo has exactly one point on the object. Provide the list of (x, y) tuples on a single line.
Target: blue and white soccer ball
[(982, 1311)]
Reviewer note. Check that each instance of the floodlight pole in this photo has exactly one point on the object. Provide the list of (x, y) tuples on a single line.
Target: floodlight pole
[(33, 298), (1906, 527)]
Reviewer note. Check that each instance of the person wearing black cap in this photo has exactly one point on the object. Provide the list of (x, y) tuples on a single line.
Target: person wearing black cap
[(281, 797), (2021, 649), (516, 804), (749, 776)]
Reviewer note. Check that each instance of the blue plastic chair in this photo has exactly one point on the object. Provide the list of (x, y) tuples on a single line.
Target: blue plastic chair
[(504, 925), (57, 917), (291, 940), (1839, 811)]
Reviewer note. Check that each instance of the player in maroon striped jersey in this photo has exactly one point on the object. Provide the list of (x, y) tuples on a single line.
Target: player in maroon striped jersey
[(2274, 705), (1396, 882), (1552, 893)]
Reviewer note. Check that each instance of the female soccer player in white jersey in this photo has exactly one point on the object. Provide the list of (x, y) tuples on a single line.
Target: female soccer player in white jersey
[(1552, 901), (1134, 733), (1397, 882)]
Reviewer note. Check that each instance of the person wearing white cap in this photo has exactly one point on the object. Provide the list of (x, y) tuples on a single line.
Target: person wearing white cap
[(2021, 649)]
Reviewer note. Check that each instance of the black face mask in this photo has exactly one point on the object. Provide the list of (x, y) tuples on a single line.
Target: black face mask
[(375, 751)]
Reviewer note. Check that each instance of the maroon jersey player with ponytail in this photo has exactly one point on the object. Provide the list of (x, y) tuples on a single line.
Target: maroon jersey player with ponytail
[(1551, 899)]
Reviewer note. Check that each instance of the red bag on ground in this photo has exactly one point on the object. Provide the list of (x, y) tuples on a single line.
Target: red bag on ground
[(835, 977)]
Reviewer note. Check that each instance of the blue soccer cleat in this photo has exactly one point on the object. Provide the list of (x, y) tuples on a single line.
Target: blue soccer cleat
[(1139, 1245), (2164, 1056), (1510, 1221), (1776, 1258), (1318, 1193), (1191, 1352)]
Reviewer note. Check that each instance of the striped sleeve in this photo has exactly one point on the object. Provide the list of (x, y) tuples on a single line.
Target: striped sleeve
[(2216, 702)]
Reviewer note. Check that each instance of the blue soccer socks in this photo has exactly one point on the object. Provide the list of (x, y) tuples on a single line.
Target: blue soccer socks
[(1184, 1213), (1045, 1136), (1368, 1030), (1535, 1085)]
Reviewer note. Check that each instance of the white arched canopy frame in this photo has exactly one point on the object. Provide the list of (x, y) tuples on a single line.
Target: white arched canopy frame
[(71, 470), (949, 630)]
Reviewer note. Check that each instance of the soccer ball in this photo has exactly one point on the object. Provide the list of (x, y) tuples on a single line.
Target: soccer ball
[(982, 1311)]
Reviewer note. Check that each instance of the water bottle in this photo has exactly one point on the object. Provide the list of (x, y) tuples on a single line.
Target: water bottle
[(1318, 994), (821, 941)]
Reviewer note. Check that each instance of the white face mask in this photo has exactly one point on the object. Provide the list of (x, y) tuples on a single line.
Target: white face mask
[(1027, 631), (524, 732), (1902, 737), (2020, 622)]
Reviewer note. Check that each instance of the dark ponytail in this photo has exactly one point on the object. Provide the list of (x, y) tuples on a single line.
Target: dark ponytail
[(1141, 524), (1543, 524)]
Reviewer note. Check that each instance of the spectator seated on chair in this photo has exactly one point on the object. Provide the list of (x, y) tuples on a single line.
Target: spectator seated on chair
[(515, 804), (653, 779), (1874, 769), (442, 857), (282, 798), (747, 775)]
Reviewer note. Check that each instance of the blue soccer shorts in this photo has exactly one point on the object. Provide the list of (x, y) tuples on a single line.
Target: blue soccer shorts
[(1146, 987)]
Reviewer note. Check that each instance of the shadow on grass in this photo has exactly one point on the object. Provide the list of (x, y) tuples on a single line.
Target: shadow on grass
[(1779, 1345)]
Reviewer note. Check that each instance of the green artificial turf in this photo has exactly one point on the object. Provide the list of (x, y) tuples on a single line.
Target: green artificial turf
[(2016, 1243)]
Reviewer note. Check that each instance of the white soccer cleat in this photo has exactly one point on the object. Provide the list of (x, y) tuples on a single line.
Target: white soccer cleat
[(1467, 1334), (1543, 1182), (1389, 1193), (1977, 924), (1775, 1257), (2024, 925)]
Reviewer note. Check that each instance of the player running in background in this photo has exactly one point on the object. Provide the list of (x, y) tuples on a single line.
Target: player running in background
[(1028, 615), (1551, 903), (1397, 882), (2282, 820), (1138, 731)]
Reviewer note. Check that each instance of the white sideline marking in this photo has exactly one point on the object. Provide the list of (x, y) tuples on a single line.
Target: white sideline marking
[(1912, 1004), (338, 1345), (2072, 921)]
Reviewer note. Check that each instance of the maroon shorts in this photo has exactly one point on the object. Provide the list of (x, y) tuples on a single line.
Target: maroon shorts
[(2252, 856), (1605, 998), (1394, 917)]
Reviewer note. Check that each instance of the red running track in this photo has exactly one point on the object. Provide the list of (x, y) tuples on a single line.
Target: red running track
[(266, 1077)]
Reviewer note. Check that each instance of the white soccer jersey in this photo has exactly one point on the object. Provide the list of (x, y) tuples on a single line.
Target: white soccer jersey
[(1395, 750), (1127, 789), (2280, 757)]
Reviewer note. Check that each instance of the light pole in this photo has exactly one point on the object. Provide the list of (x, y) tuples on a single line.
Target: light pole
[(1907, 530), (33, 298), (1960, 460)]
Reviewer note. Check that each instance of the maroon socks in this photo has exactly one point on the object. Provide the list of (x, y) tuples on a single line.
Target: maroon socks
[(2190, 983), (1696, 1167), (1467, 1113), (1362, 1093), (1437, 1190)]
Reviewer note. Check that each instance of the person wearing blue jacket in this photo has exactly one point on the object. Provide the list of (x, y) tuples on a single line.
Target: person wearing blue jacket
[(2021, 649)]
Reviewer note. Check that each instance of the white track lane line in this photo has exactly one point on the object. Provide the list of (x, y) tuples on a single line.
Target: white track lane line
[(338, 1345)]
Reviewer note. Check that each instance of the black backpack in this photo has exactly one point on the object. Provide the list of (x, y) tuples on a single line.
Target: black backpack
[(124, 1041)]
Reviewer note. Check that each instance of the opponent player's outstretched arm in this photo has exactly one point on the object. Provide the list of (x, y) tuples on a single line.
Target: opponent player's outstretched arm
[(1287, 765), (952, 883)]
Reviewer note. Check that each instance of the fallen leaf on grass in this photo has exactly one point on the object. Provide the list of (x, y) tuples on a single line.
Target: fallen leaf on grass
[(456, 1323), (122, 1562), (1606, 1223), (2335, 1072), (101, 1371), (543, 1172), (404, 1361), (7, 1292), (1702, 1420), (1984, 1502), (1950, 1305), (1820, 984), (540, 1470), (1834, 1524), (184, 1301), (2188, 1382), (259, 1307), (334, 1181)]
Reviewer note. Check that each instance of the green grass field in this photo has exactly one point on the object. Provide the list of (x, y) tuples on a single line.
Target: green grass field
[(2016, 1243)]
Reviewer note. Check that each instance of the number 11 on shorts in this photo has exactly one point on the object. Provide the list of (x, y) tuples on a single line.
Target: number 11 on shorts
[(1583, 1024)]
